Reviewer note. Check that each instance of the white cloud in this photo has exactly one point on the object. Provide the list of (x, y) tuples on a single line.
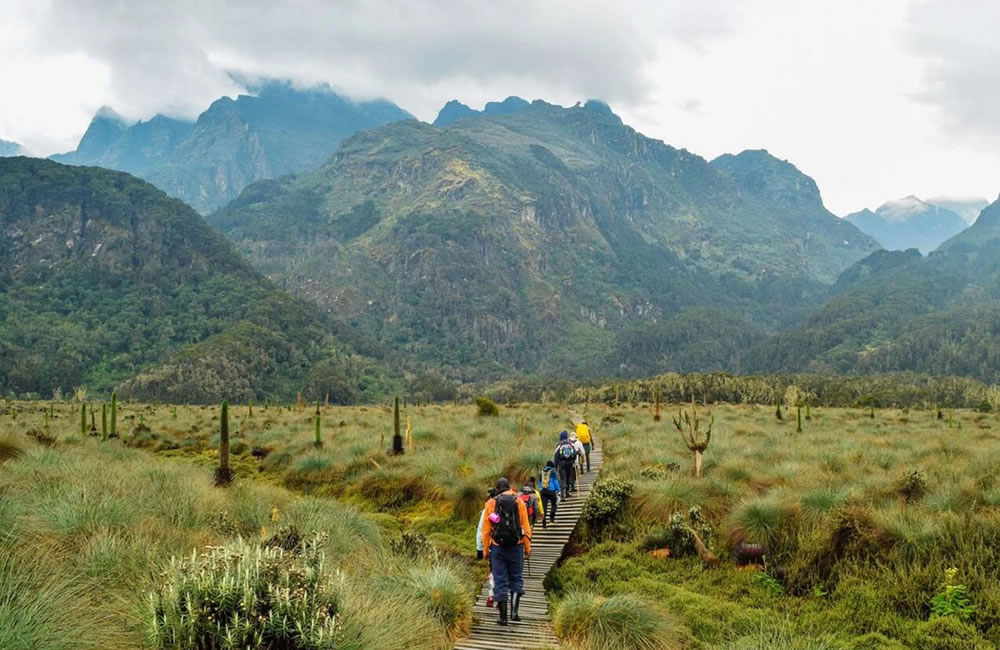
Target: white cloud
[(875, 100)]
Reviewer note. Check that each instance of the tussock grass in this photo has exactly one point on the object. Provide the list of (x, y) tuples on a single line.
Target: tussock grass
[(620, 622)]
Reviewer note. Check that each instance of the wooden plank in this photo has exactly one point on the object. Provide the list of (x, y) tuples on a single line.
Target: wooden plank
[(534, 630)]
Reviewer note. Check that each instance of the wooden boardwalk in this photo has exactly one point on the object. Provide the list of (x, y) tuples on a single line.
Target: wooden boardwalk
[(534, 630)]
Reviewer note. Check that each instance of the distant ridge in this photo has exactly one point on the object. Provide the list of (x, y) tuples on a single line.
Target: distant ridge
[(277, 130), (909, 223)]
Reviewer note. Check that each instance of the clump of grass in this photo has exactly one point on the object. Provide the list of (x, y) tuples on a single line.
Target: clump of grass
[(657, 500), (620, 622), (823, 500), (440, 590), (313, 464), (388, 489), (763, 520), (468, 501), (43, 608), (9, 449)]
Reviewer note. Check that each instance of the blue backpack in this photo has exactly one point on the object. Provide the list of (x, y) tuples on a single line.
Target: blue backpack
[(567, 452)]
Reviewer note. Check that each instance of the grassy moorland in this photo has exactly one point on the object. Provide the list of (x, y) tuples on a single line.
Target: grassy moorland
[(860, 520), (877, 532)]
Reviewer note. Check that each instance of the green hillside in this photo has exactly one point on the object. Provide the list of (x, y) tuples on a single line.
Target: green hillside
[(106, 281), (530, 241), (898, 311)]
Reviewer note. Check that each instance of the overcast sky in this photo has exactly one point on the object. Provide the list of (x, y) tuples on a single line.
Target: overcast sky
[(874, 99)]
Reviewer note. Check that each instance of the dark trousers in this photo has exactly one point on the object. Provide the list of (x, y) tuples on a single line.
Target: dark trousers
[(508, 571), (586, 453), (565, 471), (549, 500)]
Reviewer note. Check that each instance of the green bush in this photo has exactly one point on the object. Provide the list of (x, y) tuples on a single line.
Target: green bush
[(677, 535), (620, 622), (487, 407), (912, 484), (953, 600), (413, 545), (606, 502), (246, 596)]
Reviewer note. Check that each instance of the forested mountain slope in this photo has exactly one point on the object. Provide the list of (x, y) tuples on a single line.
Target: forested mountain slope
[(104, 281), (938, 314), (538, 240)]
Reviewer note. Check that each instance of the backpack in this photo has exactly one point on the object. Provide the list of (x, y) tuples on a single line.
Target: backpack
[(547, 478), (527, 502), (567, 452), (507, 532)]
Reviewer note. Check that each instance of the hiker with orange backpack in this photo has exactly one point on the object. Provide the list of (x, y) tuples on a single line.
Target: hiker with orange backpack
[(507, 542)]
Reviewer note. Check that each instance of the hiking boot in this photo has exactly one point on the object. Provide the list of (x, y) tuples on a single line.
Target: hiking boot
[(502, 607), (515, 602)]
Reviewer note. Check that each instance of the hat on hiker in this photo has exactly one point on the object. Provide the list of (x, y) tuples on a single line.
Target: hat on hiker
[(563, 435), (502, 485)]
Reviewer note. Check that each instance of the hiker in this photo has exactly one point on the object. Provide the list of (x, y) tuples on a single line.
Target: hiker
[(490, 493), (584, 436), (530, 500), (548, 480), (578, 446), (565, 459), (507, 542)]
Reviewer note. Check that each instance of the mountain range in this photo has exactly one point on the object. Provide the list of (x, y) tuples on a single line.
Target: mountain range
[(526, 239), (539, 240), (909, 223), (277, 130)]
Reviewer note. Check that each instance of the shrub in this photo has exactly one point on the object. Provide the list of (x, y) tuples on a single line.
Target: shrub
[(413, 545), (954, 600), (677, 535), (487, 407), (606, 502), (985, 407), (246, 596), (912, 484), (619, 622)]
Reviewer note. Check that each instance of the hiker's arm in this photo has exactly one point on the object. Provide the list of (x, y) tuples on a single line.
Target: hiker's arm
[(487, 536), (479, 531), (522, 511)]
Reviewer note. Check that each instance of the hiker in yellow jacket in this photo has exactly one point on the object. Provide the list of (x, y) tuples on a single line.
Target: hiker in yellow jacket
[(507, 541), (583, 435)]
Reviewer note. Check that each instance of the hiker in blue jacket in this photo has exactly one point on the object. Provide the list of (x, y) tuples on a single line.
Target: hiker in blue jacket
[(548, 485)]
